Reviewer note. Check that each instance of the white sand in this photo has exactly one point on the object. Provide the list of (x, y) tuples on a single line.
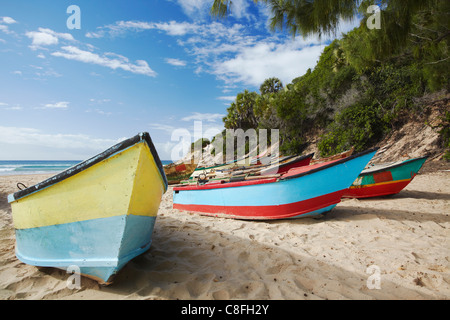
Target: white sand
[(404, 237)]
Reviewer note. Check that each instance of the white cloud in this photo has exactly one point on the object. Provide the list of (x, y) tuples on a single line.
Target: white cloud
[(99, 101), (14, 108), (119, 28), (254, 61), (46, 37), (4, 28), (5, 106), (240, 9), (172, 28), (195, 8), (44, 73), (8, 20), (138, 25), (163, 127), (227, 98), (255, 64), (210, 117), (57, 105), (117, 62), (165, 149), (99, 111), (42, 38), (176, 62), (35, 137), (235, 55), (231, 52), (94, 35)]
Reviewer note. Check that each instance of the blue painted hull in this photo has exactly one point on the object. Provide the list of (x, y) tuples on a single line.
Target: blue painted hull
[(106, 246)]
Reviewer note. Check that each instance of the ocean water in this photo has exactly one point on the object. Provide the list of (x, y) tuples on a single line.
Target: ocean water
[(16, 167)]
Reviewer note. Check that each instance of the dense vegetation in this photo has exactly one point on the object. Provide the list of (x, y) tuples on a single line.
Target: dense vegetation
[(362, 83)]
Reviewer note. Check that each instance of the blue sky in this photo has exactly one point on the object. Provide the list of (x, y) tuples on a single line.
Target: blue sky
[(133, 66)]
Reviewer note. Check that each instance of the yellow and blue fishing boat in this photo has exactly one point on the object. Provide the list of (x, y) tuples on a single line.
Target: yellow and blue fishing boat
[(97, 215)]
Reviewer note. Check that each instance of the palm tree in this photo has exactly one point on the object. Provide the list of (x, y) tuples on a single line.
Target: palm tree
[(271, 85), (322, 17), (300, 16)]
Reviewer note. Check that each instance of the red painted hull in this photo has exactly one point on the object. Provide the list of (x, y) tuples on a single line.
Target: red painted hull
[(266, 212), (377, 190)]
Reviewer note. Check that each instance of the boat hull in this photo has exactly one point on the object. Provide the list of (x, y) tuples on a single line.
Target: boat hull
[(314, 190), (97, 219), (388, 181)]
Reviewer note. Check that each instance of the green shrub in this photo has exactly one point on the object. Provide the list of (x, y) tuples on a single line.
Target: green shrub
[(357, 126)]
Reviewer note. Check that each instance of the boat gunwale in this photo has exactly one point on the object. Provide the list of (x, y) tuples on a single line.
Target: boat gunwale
[(220, 184), (329, 165), (275, 180), (393, 166), (121, 146)]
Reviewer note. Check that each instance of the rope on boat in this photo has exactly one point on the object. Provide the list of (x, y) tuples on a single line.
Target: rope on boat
[(21, 184)]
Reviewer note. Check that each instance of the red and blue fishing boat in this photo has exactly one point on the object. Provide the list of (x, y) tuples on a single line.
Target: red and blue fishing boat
[(384, 179), (303, 191)]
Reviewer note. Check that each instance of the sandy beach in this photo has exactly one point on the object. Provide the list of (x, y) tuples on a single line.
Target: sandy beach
[(396, 247)]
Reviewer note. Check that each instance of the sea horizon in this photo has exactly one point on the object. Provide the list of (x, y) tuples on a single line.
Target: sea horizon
[(21, 167)]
